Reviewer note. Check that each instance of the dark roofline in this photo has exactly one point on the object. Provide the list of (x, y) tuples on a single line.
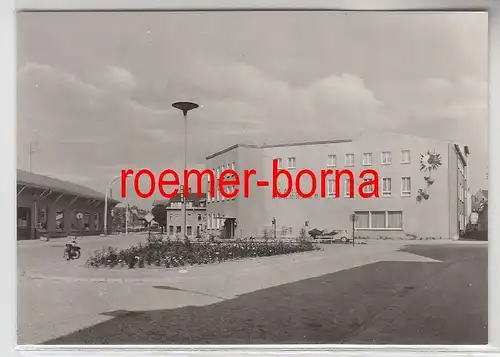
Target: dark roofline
[(266, 146), (231, 148), (318, 142), (50, 183)]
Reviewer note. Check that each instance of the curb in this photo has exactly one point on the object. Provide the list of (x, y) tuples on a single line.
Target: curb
[(70, 279)]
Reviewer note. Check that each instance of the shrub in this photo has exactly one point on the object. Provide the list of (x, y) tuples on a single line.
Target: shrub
[(167, 253)]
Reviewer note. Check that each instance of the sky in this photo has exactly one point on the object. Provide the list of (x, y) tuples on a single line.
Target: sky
[(95, 89)]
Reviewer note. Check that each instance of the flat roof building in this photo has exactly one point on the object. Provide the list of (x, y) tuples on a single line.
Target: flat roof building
[(50, 207), (422, 188)]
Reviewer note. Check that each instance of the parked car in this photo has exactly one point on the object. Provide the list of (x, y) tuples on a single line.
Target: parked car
[(336, 234)]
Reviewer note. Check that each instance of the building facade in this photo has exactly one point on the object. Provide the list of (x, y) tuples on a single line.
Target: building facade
[(196, 216), (420, 180), (53, 208)]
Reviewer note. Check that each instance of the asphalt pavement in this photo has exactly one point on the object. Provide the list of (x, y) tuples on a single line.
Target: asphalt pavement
[(382, 292)]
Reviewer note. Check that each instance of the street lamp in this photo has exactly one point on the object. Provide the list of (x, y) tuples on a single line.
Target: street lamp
[(106, 202), (353, 218), (185, 107)]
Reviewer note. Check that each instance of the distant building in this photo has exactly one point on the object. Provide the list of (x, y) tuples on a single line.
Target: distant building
[(480, 213), (196, 217), (480, 197), (441, 210), (133, 217), (50, 207)]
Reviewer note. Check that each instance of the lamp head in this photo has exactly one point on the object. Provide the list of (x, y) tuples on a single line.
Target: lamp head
[(185, 106)]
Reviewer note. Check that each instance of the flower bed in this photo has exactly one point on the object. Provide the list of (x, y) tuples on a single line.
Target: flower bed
[(170, 254)]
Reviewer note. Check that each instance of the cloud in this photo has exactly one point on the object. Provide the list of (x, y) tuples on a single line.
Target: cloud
[(120, 79)]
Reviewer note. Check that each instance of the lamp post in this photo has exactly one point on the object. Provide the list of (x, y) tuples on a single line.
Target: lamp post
[(353, 219), (185, 107)]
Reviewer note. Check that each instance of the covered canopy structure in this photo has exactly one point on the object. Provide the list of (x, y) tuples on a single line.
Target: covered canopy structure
[(51, 207)]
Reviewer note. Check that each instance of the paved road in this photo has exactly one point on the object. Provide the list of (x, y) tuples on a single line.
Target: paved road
[(424, 294), (37, 253)]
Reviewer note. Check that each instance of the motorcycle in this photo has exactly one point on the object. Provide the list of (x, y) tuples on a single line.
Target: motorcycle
[(71, 251)]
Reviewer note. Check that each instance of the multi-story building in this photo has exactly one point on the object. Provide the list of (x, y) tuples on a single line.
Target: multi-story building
[(422, 188), (196, 216)]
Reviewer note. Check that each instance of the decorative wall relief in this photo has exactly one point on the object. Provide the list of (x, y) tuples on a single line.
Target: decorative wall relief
[(429, 162)]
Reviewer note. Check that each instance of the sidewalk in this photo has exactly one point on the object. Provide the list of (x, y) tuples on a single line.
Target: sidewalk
[(35, 242)]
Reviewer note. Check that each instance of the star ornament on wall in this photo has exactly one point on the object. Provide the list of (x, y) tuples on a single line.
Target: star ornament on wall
[(430, 161)]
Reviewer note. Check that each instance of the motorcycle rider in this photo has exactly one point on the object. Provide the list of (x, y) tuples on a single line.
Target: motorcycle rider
[(70, 246)]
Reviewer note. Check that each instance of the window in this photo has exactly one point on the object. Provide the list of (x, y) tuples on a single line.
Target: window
[(280, 162), (23, 217), (332, 161), (330, 188), (41, 218), (199, 217), (208, 190), (171, 229), (217, 192), (178, 229), (291, 162), (96, 221), (367, 159), (405, 156), (86, 221), (405, 186), (386, 158), (76, 223), (363, 220), (368, 188), (347, 187), (60, 220), (349, 159), (215, 185), (395, 220), (189, 230), (379, 220), (386, 187)]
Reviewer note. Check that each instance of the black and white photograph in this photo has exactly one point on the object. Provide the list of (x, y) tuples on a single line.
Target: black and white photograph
[(252, 178)]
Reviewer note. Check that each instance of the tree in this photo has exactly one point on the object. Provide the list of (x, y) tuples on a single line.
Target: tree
[(160, 214)]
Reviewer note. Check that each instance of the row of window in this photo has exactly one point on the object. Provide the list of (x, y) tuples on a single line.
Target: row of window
[(214, 221), (178, 215), (78, 221), (461, 192), (385, 187), (379, 220), (229, 189), (367, 159), (179, 205), (178, 230)]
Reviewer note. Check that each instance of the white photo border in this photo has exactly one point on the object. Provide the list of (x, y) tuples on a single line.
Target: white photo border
[(8, 160)]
